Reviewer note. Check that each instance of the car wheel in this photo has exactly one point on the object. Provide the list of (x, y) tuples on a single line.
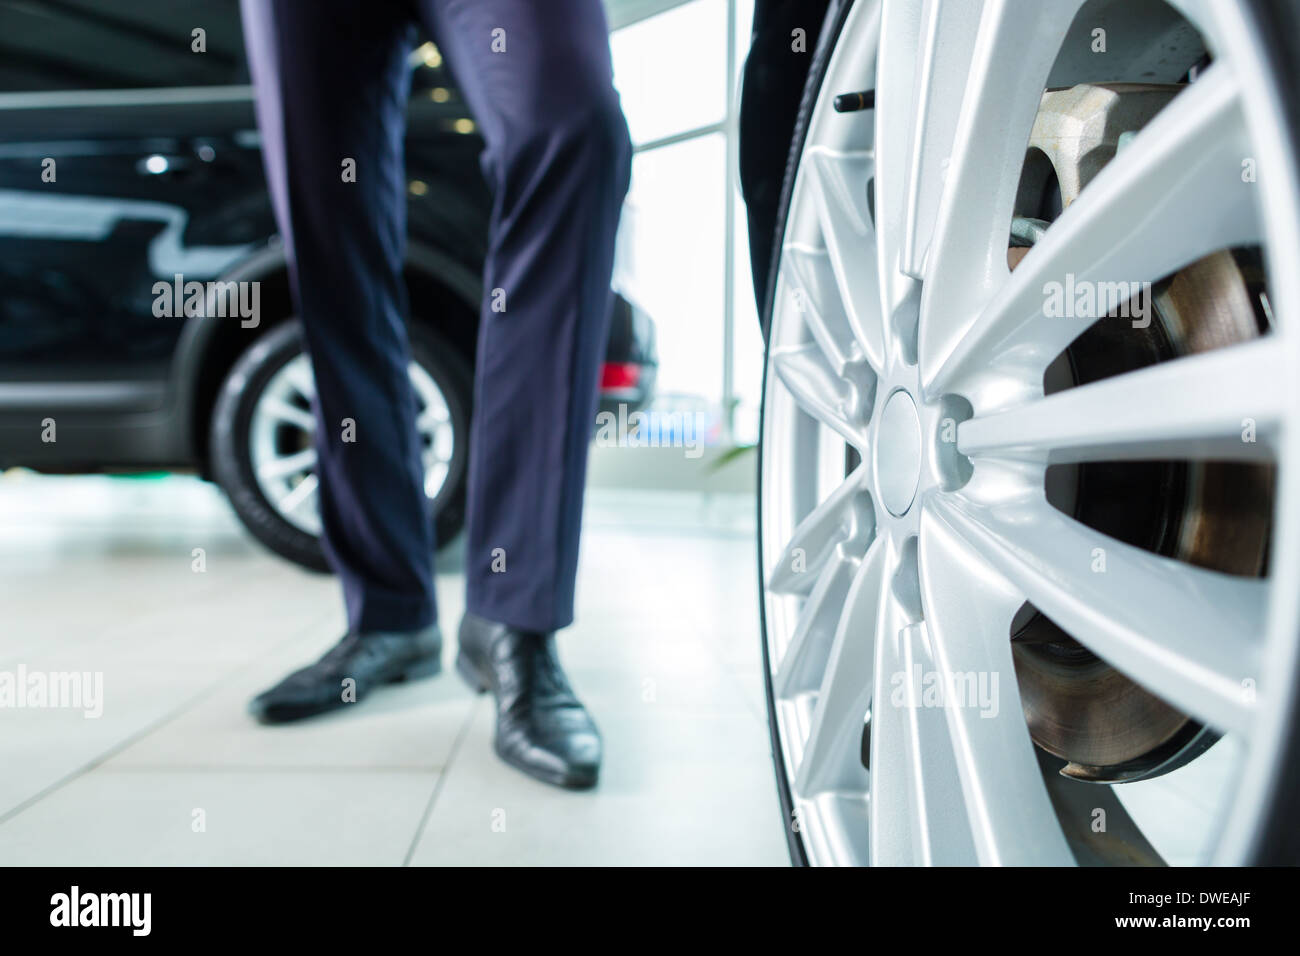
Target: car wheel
[(1028, 474), (263, 427)]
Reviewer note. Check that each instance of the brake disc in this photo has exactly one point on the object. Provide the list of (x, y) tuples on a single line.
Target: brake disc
[(1211, 514)]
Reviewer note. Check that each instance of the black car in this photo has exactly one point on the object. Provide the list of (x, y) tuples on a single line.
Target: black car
[(146, 321)]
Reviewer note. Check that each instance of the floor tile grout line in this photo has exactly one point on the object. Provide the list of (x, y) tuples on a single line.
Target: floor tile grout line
[(108, 754), (442, 777)]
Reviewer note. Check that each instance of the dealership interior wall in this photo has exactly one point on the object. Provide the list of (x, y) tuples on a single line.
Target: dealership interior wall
[(99, 574)]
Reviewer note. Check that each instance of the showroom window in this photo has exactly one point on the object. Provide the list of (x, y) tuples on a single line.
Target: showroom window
[(684, 254)]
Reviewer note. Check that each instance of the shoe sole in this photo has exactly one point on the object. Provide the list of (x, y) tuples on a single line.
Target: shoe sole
[(426, 668), (429, 667), (569, 781)]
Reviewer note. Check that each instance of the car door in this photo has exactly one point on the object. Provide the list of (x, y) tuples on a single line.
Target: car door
[(128, 161)]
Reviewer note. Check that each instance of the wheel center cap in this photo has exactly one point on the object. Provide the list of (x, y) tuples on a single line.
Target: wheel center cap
[(898, 453)]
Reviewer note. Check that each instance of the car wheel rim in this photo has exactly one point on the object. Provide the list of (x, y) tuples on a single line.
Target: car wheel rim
[(906, 519), (282, 440)]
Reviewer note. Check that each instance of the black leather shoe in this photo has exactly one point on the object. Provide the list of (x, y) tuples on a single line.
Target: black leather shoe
[(371, 658), (542, 729)]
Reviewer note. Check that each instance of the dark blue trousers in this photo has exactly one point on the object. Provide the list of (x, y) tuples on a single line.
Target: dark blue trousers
[(332, 83)]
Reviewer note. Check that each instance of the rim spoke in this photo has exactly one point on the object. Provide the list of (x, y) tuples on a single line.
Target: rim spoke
[(1199, 12), (1225, 404), (288, 465), (914, 780), (1133, 224), (811, 275), (1013, 53), (431, 418), (845, 217), (900, 28), (1188, 635), (844, 516), (831, 756), (303, 492), (968, 619), (300, 375), (947, 34), (805, 661), (281, 411), (833, 401)]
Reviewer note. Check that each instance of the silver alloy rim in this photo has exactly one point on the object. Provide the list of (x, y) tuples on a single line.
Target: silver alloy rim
[(283, 428), (899, 328)]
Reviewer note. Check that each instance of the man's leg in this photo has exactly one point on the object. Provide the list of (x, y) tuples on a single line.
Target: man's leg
[(332, 83), (538, 79)]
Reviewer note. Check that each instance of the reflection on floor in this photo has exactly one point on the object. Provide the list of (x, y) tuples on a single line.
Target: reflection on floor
[(101, 575)]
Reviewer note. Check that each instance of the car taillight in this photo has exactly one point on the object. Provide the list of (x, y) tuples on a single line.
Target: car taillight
[(616, 376)]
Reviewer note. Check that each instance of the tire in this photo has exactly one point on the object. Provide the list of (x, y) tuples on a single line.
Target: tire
[(1278, 842), (829, 36), (837, 12), (974, 563), (232, 446), (775, 90)]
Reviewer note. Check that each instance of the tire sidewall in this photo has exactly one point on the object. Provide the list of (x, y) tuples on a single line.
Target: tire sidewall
[(829, 36)]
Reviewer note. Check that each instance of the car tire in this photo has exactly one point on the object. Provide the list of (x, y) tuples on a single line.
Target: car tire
[(231, 439), (836, 15)]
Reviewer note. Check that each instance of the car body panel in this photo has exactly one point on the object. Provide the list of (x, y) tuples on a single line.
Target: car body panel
[(105, 193)]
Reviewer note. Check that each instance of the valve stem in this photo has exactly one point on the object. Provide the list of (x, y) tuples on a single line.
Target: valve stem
[(852, 102)]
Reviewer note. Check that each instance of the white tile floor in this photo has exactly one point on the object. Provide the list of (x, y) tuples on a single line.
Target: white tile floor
[(97, 574)]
